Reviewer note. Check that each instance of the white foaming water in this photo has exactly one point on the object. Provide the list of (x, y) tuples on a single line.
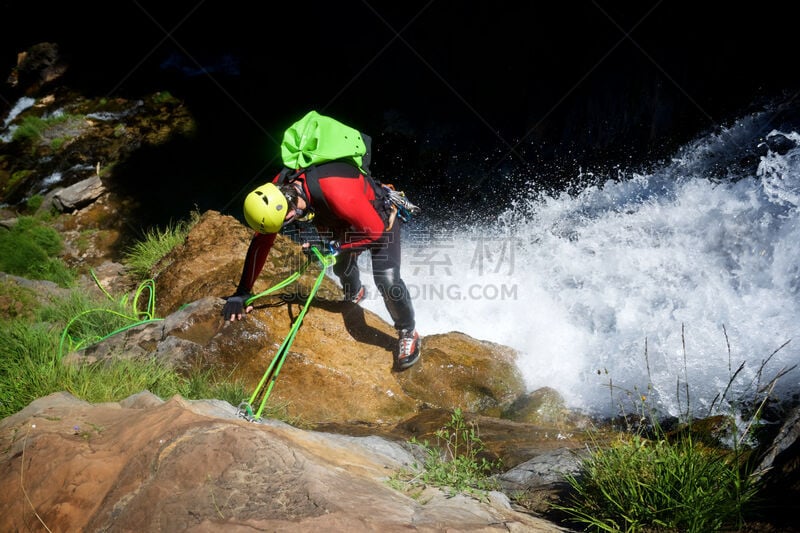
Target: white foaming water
[(657, 280), (21, 105)]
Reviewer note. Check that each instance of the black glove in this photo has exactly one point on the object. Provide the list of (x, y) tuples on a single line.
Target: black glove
[(235, 305)]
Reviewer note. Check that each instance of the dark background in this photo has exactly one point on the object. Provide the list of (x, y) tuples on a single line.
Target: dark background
[(454, 93)]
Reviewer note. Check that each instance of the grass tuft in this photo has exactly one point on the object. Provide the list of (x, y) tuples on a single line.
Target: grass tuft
[(651, 480), (143, 256), (30, 249), (33, 127), (677, 485)]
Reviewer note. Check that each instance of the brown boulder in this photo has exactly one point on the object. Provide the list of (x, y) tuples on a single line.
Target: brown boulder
[(339, 366), (39, 65), (147, 465)]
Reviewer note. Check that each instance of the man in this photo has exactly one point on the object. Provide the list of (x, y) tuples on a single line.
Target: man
[(345, 205)]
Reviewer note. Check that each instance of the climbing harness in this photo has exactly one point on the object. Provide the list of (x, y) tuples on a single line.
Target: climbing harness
[(245, 409)]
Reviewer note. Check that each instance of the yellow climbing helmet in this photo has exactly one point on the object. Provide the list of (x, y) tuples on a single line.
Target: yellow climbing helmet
[(265, 209)]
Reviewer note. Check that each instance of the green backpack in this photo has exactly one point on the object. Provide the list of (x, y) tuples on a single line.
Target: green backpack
[(316, 139)]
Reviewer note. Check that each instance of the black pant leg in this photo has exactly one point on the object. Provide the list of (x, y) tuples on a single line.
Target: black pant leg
[(386, 273), (346, 269)]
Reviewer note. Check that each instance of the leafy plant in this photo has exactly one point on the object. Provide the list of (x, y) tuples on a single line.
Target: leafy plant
[(455, 463)]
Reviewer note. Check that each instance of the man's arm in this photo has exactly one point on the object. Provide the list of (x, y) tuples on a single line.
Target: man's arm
[(254, 261)]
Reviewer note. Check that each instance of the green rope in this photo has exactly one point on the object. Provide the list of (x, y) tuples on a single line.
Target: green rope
[(139, 317), (288, 281), (277, 361), (148, 284), (148, 315), (97, 282), (150, 310)]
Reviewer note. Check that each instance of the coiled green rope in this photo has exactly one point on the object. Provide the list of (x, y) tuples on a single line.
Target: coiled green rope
[(136, 319)]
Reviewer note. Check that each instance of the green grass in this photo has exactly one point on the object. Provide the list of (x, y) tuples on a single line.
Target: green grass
[(163, 97), (57, 143), (687, 480), (32, 127), (639, 484), (35, 337), (143, 256), (30, 249), (34, 202), (34, 345), (16, 302), (97, 317)]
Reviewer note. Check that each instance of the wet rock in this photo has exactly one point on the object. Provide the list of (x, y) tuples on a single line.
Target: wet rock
[(39, 65), (542, 406), (342, 352), (79, 195), (780, 465), (146, 465)]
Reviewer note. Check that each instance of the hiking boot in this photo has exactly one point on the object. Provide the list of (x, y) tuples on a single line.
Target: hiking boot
[(360, 294), (407, 349)]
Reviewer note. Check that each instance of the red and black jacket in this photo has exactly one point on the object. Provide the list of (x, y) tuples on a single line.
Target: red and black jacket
[(346, 204)]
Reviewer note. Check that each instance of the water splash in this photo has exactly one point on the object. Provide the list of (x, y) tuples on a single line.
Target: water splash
[(21, 105), (658, 282), (8, 129)]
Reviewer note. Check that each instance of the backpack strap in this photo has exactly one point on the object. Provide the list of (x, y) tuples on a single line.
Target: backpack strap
[(315, 191), (322, 211), (287, 175)]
